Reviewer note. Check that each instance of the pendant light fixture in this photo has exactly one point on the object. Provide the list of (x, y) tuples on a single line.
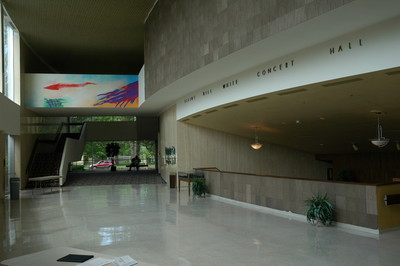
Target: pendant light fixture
[(380, 141), (256, 145)]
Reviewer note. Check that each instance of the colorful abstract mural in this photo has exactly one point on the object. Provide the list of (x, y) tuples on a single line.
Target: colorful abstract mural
[(120, 97), (72, 90)]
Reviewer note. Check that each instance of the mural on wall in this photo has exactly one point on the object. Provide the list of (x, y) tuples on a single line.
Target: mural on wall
[(73, 90)]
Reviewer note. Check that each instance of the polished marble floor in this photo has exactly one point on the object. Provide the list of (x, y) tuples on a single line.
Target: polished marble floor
[(158, 225)]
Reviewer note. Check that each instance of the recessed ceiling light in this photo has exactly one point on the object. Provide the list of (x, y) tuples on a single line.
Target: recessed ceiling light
[(256, 99), (341, 82), (322, 118), (291, 92), (393, 73), (230, 106), (211, 111)]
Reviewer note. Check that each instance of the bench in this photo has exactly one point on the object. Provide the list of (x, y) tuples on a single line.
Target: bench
[(138, 166), (188, 177), (40, 179)]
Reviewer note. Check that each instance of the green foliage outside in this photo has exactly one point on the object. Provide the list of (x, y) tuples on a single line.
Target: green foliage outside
[(96, 150), (81, 119), (78, 167)]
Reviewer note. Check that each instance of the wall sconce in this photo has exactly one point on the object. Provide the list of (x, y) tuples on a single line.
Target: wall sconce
[(256, 145)]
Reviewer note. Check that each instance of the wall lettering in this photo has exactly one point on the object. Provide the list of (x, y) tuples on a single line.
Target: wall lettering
[(275, 68), (230, 84), (207, 92), (347, 46), (191, 98)]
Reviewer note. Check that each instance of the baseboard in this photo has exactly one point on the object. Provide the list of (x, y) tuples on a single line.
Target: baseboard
[(382, 231), (353, 229)]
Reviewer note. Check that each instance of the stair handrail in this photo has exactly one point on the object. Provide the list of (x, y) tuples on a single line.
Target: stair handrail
[(56, 141)]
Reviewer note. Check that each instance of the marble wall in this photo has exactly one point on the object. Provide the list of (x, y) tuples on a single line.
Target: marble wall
[(200, 147), (183, 36), (167, 139), (355, 204)]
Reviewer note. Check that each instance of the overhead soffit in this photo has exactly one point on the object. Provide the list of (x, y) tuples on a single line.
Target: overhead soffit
[(326, 117), (73, 32)]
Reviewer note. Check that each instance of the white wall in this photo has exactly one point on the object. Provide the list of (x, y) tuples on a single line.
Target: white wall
[(167, 138), (142, 86), (73, 151), (9, 116)]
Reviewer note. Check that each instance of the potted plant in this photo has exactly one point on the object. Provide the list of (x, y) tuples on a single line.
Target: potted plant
[(199, 187), (112, 150), (319, 210)]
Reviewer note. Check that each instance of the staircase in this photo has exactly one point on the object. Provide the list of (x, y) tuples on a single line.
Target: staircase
[(47, 155)]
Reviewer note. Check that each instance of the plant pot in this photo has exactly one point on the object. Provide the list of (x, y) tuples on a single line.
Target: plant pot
[(319, 223)]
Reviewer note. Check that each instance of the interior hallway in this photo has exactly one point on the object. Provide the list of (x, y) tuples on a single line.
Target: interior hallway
[(154, 224)]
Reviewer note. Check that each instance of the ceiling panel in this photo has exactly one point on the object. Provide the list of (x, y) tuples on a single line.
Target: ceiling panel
[(75, 36)]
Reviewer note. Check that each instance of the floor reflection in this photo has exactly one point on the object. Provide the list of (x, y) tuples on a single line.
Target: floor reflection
[(159, 225)]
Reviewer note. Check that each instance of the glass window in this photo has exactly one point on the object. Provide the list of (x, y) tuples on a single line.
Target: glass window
[(11, 59), (79, 119), (8, 61)]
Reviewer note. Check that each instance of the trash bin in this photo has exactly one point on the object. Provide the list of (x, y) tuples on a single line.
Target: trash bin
[(14, 188), (172, 180)]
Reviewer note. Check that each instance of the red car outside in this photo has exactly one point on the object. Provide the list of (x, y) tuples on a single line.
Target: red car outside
[(102, 164)]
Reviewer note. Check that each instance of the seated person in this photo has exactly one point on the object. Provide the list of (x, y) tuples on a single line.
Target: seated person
[(134, 163)]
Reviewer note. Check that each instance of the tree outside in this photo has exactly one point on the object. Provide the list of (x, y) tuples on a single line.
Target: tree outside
[(96, 150)]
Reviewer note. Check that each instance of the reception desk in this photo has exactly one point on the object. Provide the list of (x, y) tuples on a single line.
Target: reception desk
[(359, 204)]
